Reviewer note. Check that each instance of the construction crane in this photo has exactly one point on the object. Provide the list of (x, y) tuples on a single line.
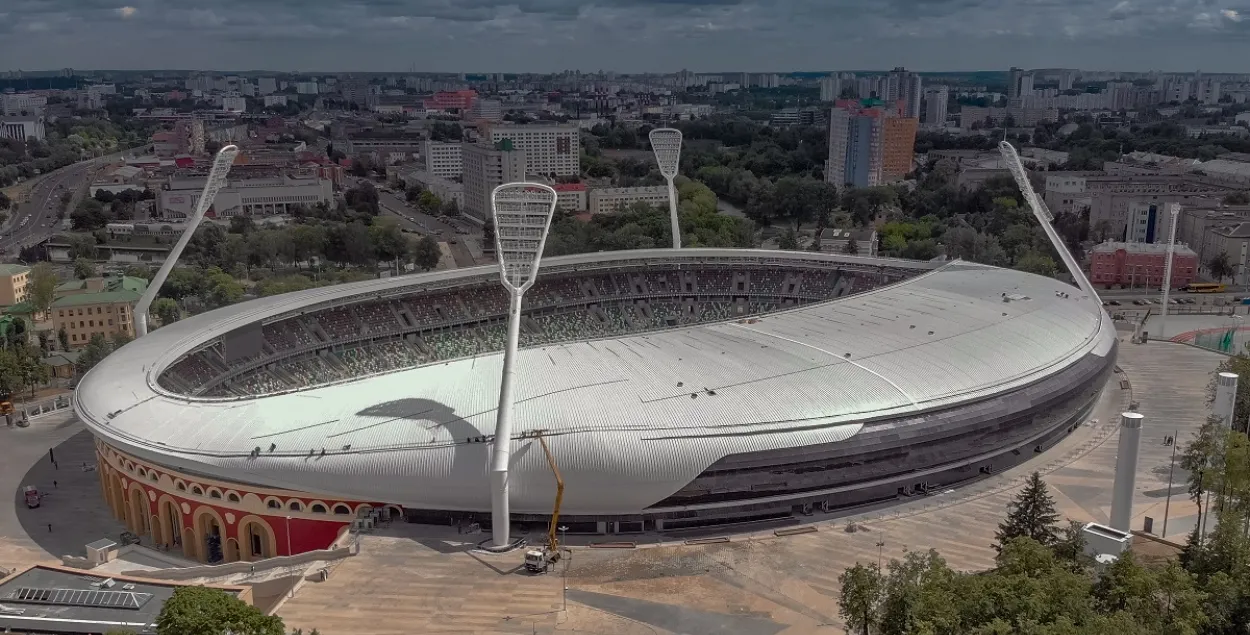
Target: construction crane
[(538, 560)]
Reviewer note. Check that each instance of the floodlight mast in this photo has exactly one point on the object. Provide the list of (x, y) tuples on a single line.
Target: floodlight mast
[(216, 181), (1174, 212), (522, 214), (666, 144), (1044, 218)]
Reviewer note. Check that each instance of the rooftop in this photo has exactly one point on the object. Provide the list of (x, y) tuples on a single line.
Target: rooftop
[(110, 283), (1141, 248), (12, 270), (103, 297), (47, 599)]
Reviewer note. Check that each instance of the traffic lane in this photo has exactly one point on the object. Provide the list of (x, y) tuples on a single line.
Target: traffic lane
[(430, 223), (44, 204)]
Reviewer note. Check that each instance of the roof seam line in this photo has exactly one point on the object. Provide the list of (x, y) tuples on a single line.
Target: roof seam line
[(887, 380)]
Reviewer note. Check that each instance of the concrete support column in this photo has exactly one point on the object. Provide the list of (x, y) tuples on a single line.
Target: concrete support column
[(1126, 471), (1225, 398)]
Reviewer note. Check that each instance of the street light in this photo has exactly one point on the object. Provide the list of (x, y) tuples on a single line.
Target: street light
[(216, 181), (564, 576), (522, 214), (666, 144)]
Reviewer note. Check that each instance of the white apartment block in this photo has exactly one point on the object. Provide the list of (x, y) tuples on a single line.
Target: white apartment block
[(266, 85), (22, 103), (245, 197), (485, 168), (935, 106), (234, 103), (442, 159), (306, 88), (550, 150), (485, 110), (613, 199)]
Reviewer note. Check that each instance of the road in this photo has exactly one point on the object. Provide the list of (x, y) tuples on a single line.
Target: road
[(456, 233), (36, 220)]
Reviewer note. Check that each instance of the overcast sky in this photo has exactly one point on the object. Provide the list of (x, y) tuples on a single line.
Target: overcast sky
[(625, 35)]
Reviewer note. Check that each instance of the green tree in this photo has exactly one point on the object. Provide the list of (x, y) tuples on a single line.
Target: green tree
[(851, 247), (93, 353), (426, 253), (166, 311), (196, 610), (860, 597), (1220, 266), (1032, 515), (84, 269), (788, 240), (42, 290), (222, 288), (1034, 262), (1232, 198), (429, 203), (62, 338)]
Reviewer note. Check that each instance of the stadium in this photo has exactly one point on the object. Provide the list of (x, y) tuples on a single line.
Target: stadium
[(675, 390)]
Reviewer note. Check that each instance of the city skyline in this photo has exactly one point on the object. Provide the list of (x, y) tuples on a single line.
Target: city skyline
[(632, 36)]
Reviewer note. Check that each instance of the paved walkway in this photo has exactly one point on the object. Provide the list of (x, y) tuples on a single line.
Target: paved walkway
[(73, 506)]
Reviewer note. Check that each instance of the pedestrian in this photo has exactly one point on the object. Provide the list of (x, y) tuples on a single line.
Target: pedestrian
[(49, 527), (54, 485)]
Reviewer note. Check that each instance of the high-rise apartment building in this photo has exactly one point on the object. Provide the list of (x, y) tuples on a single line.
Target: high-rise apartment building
[(550, 150), (855, 145), (935, 104), (487, 167), (897, 147), (1019, 84), (904, 86), (266, 85), (830, 88), (442, 159)]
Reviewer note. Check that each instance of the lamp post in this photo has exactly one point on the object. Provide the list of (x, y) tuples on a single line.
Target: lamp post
[(564, 576), (666, 144), (522, 214), (216, 181)]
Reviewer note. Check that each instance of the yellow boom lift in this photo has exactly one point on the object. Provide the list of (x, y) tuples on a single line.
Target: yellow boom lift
[(539, 560)]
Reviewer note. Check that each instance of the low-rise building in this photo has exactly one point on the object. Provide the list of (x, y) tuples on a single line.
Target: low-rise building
[(120, 179), (1140, 265), (838, 241), (96, 306), (444, 189), (22, 128), (14, 284), (610, 200), (571, 197), (247, 197)]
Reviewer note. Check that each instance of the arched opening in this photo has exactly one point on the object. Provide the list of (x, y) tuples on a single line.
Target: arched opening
[(257, 539), (137, 518), (117, 497), (232, 550), (318, 508), (189, 544), (294, 506), (342, 509), (211, 531), (154, 523), (171, 524)]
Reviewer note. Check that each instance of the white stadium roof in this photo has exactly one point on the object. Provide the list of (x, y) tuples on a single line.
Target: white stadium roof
[(630, 419)]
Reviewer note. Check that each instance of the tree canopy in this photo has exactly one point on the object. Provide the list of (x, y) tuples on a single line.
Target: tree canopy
[(194, 610)]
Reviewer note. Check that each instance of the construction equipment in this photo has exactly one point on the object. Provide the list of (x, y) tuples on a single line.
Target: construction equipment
[(539, 560)]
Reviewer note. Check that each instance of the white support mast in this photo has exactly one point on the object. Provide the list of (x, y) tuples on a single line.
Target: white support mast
[(523, 214), (1174, 210), (666, 144), (1044, 217), (216, 181)]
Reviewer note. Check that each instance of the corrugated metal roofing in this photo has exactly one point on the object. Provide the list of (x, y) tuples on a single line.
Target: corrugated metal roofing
[(630, 419)]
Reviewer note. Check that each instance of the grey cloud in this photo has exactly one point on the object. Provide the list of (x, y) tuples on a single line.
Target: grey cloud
[(529, 34)]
